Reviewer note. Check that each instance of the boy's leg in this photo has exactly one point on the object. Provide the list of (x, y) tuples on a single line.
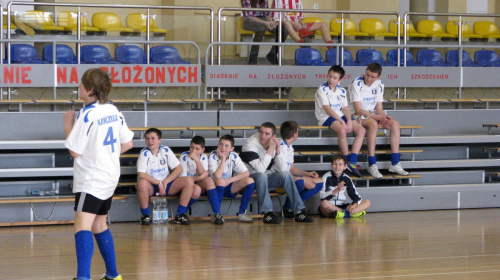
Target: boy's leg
[(328, 210), (311, 187), (359, 210), (84, 243), (342, 137), (285, 179), (184, 186), (144, 191), (395, 131), (208, 186), (106, 244), (247, 187), (265, 204), (325, 32), (371, 127), (291, 28)]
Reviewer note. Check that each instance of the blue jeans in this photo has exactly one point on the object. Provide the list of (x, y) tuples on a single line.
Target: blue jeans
[(264, 182)]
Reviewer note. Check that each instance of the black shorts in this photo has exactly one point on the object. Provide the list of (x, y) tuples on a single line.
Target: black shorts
[(85, 202)]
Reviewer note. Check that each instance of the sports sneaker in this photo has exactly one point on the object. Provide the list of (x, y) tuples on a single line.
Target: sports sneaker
[(354, 169), (245, 218), (271, 218), (145, 220), (105, 277), (398, 169), (357, 215), (338, 214), (302, 217), (217, 219), (373, 170), (288, 213), (182, 219)]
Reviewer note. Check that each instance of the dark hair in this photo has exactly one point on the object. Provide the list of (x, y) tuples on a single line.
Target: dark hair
[(199, 140), (288, 129), (269, 125), (374, 67), (99, 82), (254, 3), (229, 138), (337, 69), (153, 130), (339, 157)]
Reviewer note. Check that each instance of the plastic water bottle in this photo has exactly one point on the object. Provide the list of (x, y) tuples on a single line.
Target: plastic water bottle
[(156, 211), (164, 210)]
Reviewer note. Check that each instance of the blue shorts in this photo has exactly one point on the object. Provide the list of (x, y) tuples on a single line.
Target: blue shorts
[(227, 192), (330, 120), (156, 190)]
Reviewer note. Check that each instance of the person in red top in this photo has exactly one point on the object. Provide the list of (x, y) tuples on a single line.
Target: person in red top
[(292, 20)]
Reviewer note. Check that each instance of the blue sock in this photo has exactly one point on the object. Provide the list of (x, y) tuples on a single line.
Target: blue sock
[(300, 186), (191, 202), (245, 197), (220, 192), (394, 158), (213, 198), (107, 249), (181, 209), (353, 158), (145, 211), (372, 160), (305, 194), (347, 214), (84, 244)]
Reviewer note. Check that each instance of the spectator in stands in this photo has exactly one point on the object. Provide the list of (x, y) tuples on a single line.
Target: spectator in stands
[(308, 183), (158, 170), (260, 22), (333, 194), (95, 140), (195, 165), (332, 110), (292, 21), (366, 94), (258, 153), (222, 163)]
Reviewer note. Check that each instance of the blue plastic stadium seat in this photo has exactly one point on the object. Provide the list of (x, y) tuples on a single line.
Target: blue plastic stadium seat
[(130, 54), (309, 57), (487, 58), (392, 58), (367, 56), (26, 54), (429, 57), (331, 57), (96, 54), (167, 55), (64, 54), (452, 58)]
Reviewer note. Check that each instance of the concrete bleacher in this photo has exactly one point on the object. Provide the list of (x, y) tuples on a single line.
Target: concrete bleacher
[(453, 158)]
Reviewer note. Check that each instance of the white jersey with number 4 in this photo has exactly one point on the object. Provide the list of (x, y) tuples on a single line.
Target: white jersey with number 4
[(97, 135)]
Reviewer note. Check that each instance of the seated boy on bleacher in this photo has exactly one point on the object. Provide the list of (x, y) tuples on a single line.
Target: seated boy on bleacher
[(366, 94), (333, 194), (221, 164), (158, 170), (195, 165), (331, 110), (308, 183)]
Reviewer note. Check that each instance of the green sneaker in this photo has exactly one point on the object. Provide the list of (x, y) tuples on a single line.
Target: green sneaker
[(357, 215), (339, 215), (105, 277)]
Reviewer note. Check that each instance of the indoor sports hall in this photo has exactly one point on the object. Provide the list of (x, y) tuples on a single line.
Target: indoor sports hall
[(189, 68)]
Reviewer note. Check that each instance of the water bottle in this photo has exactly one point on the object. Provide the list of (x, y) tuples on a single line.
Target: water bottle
[(164, 211), (156, 211)]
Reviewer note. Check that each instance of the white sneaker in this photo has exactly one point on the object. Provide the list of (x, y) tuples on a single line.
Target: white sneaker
[(398, 169), (245, 218), (373, 170)]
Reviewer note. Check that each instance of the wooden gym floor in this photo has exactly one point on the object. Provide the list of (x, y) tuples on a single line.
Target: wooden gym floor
[(433, 245)]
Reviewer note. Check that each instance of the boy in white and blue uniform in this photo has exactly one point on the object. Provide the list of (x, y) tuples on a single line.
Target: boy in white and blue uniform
[(195, 165), (222, 163), (366, 94), (331, 110), (95, 139), (336, 184), (158, 170), (308, 183)]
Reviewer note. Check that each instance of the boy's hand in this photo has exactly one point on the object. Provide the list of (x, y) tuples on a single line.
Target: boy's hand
[(340, 186), (194, 156), (221, 156), (348, 126), (68, 119), (162, 188), (312, 174)]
